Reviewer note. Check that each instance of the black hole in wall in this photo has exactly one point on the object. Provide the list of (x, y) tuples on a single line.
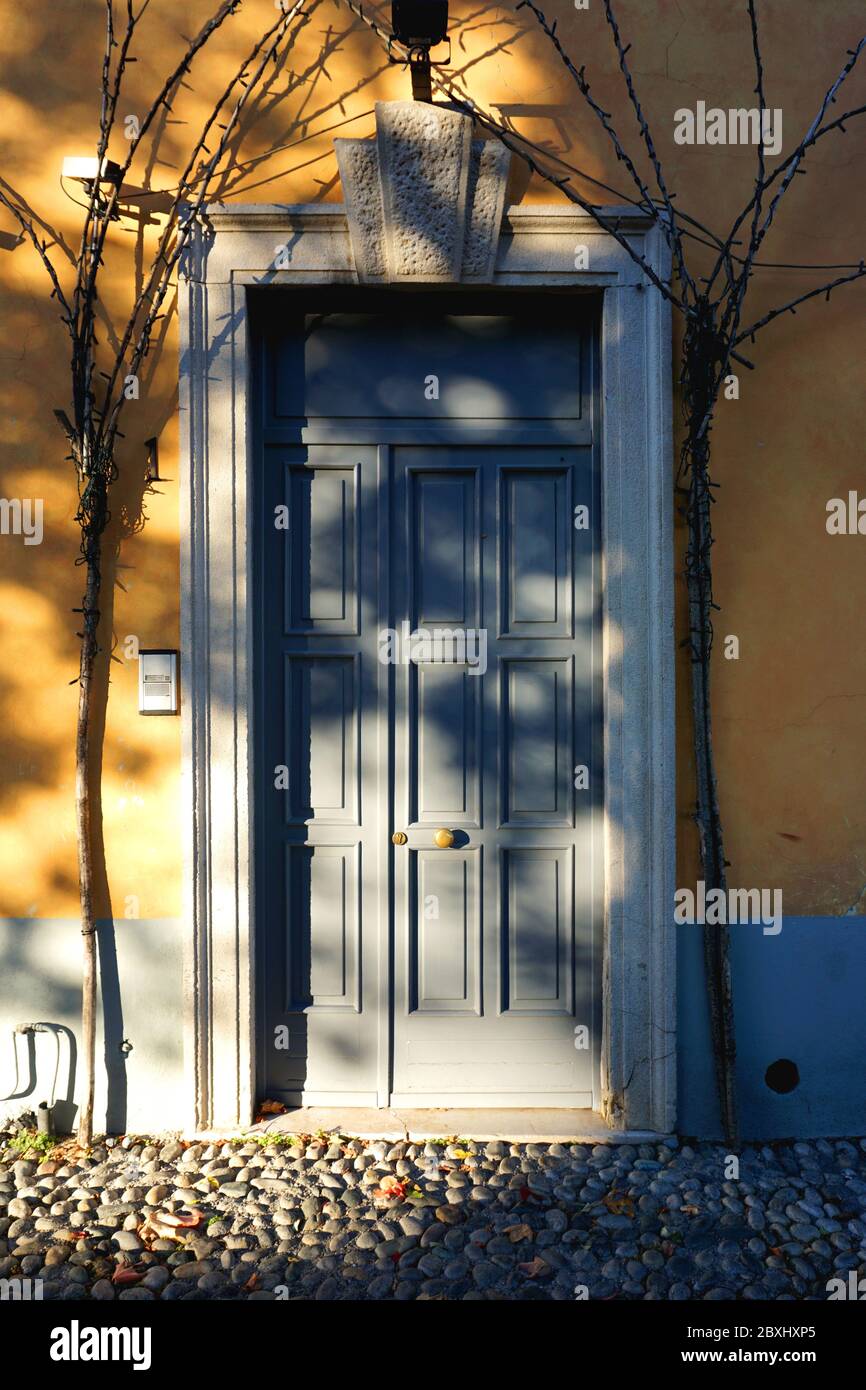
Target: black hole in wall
[(782, 1076)]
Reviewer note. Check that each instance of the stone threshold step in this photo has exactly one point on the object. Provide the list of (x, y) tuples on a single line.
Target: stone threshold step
[(522, 1126)]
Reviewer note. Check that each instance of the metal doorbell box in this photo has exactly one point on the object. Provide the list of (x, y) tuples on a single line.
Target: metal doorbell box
[(157, 682)]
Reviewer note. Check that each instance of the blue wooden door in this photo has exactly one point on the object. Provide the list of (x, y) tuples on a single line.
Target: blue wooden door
[(427, 672), (493, 933)]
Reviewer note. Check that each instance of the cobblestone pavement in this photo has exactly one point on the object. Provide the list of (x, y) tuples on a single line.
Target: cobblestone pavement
[(335, 1218)]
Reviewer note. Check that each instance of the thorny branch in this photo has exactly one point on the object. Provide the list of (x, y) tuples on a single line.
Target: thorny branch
[(622, 51), (93, 432), (791, 307), (711, 336), (579, 76), (41, 247), (178, 229), (791, 165)]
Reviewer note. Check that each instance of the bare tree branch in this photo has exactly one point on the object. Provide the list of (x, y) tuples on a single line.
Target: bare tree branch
[(579, 75), (791, 307), (176, 235), (791, 166), (622, 50), (738, 284), (92, 433), (809, 138), (41, 247), (161, 101)]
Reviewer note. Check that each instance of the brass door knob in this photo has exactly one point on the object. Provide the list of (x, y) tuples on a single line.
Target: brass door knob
[(399, 837), (444, 838)]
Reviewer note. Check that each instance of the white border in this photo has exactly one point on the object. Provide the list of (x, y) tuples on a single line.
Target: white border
[(536, 248)]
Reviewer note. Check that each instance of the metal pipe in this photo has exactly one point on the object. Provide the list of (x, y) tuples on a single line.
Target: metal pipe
[(45, 1109)]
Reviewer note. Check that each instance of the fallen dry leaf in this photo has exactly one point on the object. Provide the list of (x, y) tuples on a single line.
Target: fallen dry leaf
[(128, 1274), (270, 1107), (181, 1218), (618, 1205), (517, 1233), (389, 1189), (252, 1283), (169, 1225), (534, 1268)]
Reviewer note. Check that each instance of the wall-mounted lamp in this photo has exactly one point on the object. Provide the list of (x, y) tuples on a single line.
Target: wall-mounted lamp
[(144, 204), (419, 25), (86, 170)]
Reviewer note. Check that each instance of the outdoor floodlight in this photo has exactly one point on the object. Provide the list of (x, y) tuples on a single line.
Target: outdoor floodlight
[(418, 26), (420, 23), (87, 170), (84, 169)]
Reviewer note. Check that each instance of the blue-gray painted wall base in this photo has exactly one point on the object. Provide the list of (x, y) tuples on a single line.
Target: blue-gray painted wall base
[(797, 996), (140, 977)]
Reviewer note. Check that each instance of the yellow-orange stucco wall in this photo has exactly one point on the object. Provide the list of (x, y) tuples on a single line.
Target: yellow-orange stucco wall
[(788, 713)]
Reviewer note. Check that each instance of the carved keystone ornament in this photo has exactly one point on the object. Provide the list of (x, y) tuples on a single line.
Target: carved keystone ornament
[(424, 200)]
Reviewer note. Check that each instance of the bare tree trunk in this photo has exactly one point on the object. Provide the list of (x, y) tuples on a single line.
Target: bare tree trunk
[(93, 431), (701, 357), (89, 650)]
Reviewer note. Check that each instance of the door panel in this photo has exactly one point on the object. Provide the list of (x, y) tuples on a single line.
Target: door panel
[(536, 930), (537, 738), (492, 961), (323, 966), (445, 950), (321, 573), (321, 698), (318, 774), (445, 790), (444, 540), (535, 542), (361, 366)]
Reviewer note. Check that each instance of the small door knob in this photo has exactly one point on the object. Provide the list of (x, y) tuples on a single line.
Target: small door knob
[(444, 838), (399, 837)]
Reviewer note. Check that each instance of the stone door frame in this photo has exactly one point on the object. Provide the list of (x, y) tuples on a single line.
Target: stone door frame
[(532, 246)]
